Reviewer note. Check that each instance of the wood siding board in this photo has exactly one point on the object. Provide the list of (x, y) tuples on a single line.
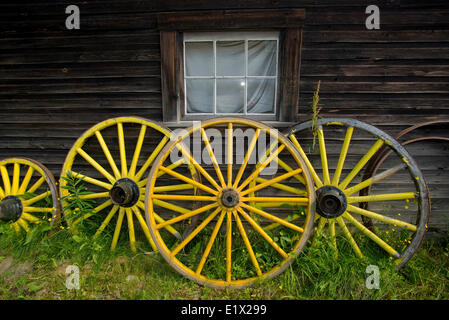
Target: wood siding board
[(55, 83)]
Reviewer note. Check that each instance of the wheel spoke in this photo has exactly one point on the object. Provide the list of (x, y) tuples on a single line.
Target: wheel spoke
[(275, 225), (273, 218), (132, 168), (263, 233), (323, 154), (173, 166), (287, 168), (151, 158), (317, 180), (121, 143), (15, 178), (15, 226), (186, 215), (210, 243), (36, 186), (371, 235), (188, 180), (30, 218), (348, 235), (132, 236), (359, 166), (195, 232), (118, 228), (213, 158), (270, 182), (247, 243), (332, 233), (158, 219), (169, 206), (6, 181), (26, 181), (182, 197), (321, 224), (383, 197), (175, 187), (90, 180), (23, 224), (229, 246), (96, 165), (283, 187), (342, 158), (230, 155), (275, 199), (106, 220), (94, 211), (108, 155), (144, 227), (384, 219), (251, 146), (37, 198), (262, 166), (95, 195), (375, 179), (200, 169), (38, 209)]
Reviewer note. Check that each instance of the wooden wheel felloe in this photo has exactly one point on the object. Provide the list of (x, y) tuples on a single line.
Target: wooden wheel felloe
[(28, 194), (113, 158), (244, 232), (398, 196)]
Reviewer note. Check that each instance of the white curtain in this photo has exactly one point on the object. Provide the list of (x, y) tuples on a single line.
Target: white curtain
[(230, 62)]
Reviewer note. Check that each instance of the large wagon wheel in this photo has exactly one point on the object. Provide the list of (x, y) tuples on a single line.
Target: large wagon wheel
[(28, 194), (119, 189), (398, 192), (240, 237)]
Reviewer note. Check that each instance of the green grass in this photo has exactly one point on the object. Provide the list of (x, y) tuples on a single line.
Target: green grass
[(39, 263)]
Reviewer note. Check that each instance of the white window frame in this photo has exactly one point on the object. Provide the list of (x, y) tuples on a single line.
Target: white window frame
[(231, 36)]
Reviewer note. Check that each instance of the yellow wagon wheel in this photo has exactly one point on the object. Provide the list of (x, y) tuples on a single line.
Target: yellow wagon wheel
[(398, 198), (113, 158), (239, 238), (28, 194)]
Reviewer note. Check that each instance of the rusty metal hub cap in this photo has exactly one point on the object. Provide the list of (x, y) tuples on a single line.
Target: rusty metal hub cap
[(331, 202), (229, 197), (125, 193), (11, 209)]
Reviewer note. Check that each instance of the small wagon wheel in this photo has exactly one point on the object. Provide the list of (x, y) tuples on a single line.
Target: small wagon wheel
[(135, 142), (400, 180), (241, 237), (28, 194), (376, 162)]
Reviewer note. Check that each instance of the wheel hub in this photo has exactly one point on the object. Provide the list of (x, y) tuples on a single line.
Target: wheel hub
[(11, 209), (125, 193), (229, 197), (331, 202)]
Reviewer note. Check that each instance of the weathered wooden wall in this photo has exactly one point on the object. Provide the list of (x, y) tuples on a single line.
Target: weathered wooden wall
[(55, 83)]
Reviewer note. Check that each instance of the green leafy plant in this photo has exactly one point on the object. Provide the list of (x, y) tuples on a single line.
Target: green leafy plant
[(73, 205)]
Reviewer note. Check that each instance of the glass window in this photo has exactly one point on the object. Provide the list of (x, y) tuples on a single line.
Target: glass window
[(231, 72)]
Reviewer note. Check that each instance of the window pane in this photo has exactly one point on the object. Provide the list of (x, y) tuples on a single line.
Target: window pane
[(230, 95), (200, 95), (230, 58), (262, 58), (261, 93), (199, 58)]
